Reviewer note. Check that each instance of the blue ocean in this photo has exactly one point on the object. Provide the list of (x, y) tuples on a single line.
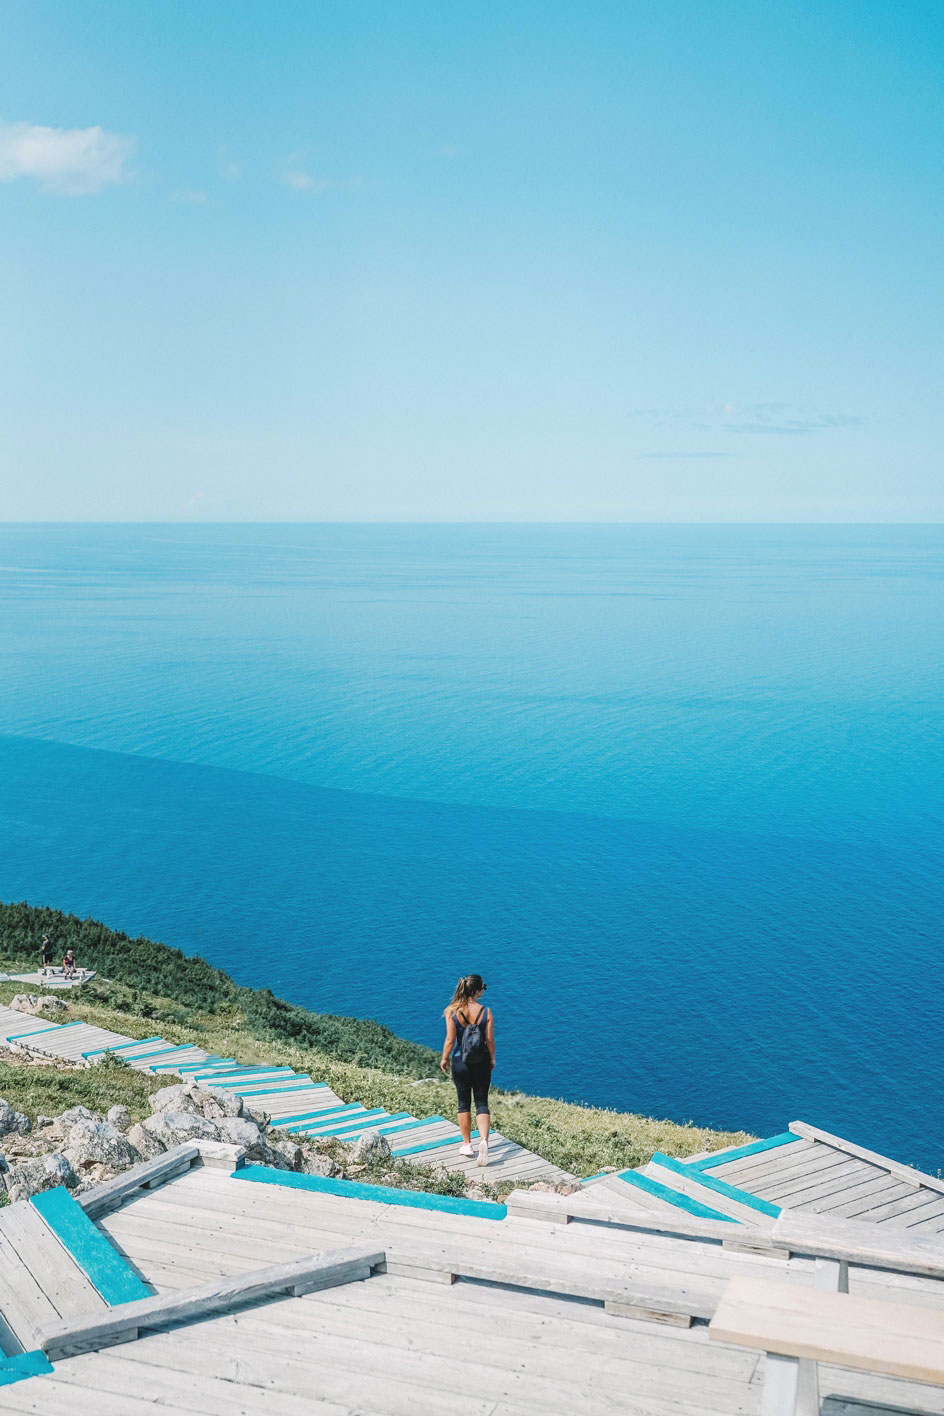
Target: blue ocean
[(675, 791)]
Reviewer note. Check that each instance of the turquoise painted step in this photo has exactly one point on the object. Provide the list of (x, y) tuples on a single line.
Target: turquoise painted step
[(385, 1194), (226, 1070), (53, 1027), (671, 1197), (441, 1144), (171, 1067), (285, 1121), (355, 1129), (105, 1268), (122, 1046), (712, 1185), (317, 1128), (709, 1162), (232, 1074), (305, 1087), (23, 1365)]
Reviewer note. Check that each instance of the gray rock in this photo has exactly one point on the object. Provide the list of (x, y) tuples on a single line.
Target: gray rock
[(41, 1005), (7, 1114), (176, 1098), (22, 1125), (321, 1165), (371, 1146), (239, 1131), (98, 1143), (175, 1127), (77, 1113), (45, 1120), (215, 1103), (118, 1116), (257, 1114), (291, 1153), (40, 1172), (145, 1142)]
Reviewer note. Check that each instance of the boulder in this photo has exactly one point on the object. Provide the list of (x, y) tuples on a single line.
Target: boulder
[(315, 1164), (176, 1098), (99, 1143), (215, 1103), (291, 1153), (118, 1116), (13, 1122), (41, 1172), (40, 1005), (240, 1131), (76, 1113), (371, 1146), (145, 1142), (172, 1128), (44, 1121)]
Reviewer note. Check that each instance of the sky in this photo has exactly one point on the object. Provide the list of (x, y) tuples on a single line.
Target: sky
[(651, 260)]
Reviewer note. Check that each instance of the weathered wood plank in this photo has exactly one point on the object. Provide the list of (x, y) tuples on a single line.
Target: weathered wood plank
[(894, 1167), (69, 1290), (62, 1339)]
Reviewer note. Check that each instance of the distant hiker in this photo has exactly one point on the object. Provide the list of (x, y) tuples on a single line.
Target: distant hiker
[(48, 950), (470, 1050), (69, 969)]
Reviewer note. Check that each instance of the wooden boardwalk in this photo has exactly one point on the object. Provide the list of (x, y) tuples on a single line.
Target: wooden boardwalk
[(535, 1337), (298, 1104)]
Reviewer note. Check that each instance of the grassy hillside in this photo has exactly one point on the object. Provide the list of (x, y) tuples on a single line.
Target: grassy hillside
[(147, 987)]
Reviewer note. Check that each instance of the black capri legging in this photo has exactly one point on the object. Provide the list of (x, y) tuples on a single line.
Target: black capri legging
[(472, 1081)]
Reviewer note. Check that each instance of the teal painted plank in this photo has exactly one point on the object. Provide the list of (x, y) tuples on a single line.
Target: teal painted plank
[(411, 1125), (597, 1174), (157, 1052), (306, 1087), (359, 1129), (24, 1364), (54, 1027), (169, 1053), (172, 1067), (375, 1113), (672, 1197), (441, 1144), (238, 1081), (384, 1194), (121, 1046), (110, 1274), (712, 1183), (226, 1068), (354, 1110), (278, 1121), (754, 1148)]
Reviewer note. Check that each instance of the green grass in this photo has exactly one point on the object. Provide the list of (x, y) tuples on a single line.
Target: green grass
[(47, 1091), (360, 1060)]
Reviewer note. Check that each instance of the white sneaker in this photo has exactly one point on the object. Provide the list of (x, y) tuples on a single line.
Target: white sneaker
[(466, 1149), (483, 1152)]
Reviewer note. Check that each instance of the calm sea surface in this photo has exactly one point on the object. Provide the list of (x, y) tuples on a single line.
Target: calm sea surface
[(677, 792)]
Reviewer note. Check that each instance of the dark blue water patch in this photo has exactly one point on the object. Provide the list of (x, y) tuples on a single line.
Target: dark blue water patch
[(721, 977)]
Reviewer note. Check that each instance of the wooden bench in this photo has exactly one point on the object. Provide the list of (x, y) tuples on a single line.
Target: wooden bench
[(798, 1327)]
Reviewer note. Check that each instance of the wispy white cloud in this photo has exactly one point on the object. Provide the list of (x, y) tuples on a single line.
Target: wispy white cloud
[(230, 170), (188, 196), (294, 175), (74, 162), (777, 419)]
